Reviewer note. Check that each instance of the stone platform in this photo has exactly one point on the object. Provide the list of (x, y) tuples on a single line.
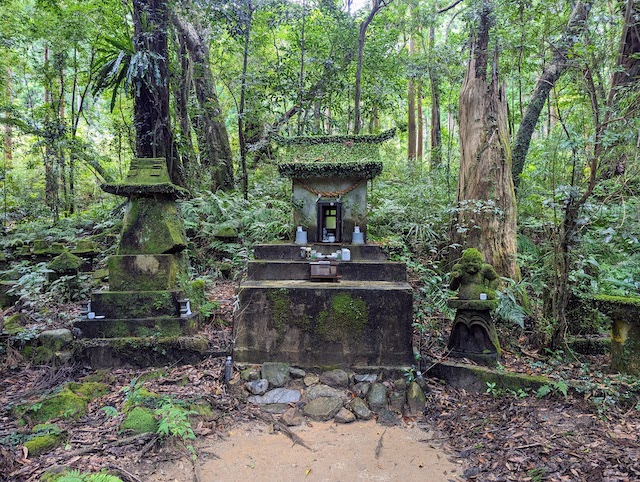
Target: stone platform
[(362, 320)]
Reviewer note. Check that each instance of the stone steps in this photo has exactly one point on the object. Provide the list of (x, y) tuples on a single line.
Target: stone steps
[(348, 270), (292, 251)]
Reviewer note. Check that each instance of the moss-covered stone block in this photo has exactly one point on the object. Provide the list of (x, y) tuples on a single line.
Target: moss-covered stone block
[(44, 247), (160, 326), (343, 324), (139, 420), (86, 247), (144, 272), (143, 352), (65, 263), (55, 340), (136, 304), (152, 226)]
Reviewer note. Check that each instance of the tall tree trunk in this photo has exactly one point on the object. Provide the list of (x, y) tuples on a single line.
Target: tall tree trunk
[(436, 130), (559, 64), (376, 5), (8, 128), (151, 104), (420, 127), (411, 119), (213, 139), (183, 84), (486, 198), (243, 94)]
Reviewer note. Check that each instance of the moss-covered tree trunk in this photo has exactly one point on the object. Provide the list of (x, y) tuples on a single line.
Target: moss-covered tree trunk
[(213, 139), (151, 105), (486, 200)]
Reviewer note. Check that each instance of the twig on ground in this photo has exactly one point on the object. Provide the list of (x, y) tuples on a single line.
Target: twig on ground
[(284, 429), (125, 474), (147, 447), (379, 446)]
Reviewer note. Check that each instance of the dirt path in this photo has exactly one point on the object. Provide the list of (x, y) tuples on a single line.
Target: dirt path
[(339, 453)]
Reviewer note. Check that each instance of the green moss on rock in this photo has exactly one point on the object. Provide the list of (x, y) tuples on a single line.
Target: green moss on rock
[(65, 263), (139, 420), (70, 402), (12, 324), (42, 444), (43, 247), (152, 226)]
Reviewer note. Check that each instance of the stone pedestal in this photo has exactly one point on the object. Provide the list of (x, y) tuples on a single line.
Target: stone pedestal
[(363, 320), (473, 334)]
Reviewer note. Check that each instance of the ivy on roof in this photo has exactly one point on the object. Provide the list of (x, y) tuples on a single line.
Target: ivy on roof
[(306, 170)]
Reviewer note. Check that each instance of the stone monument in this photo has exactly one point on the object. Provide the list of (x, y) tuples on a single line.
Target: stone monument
[(473, 334), (144, 297)]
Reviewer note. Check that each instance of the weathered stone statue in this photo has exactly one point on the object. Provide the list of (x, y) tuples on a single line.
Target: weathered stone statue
[(473, 334), (472, 277)]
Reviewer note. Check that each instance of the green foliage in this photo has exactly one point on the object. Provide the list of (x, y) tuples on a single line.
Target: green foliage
[(306, 170), (513, 302), (265, 217), (76, 475)]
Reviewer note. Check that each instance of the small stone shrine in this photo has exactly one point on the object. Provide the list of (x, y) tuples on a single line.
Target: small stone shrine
[(330, 298), (473, 334), (144, 297)]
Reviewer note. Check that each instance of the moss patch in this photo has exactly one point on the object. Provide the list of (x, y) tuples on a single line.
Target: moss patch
[(12, 324), (283, 315), (70, 402), (44, 438), (346, 319), (139, 420)]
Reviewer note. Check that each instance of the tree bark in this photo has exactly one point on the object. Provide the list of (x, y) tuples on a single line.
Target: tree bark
[(213, 138), (182, 87), (486, 198), (559, 64), (375, 8), (420, 126), (436, 129), (8, 128), (151, 104), (411, 120)]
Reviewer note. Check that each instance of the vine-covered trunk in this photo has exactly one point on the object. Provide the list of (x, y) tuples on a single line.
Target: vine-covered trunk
[(213, 139), (486, 199)]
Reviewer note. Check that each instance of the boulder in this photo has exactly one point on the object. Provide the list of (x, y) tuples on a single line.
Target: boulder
[(344, 416), (323, 408), (277, 373), (277, 395), (335, 378)]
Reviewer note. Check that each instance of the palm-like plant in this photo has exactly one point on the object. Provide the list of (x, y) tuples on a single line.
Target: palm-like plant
[(119, 66)]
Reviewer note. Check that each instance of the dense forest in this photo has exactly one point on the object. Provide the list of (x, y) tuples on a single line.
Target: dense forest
[(516, 127), (511, 126)]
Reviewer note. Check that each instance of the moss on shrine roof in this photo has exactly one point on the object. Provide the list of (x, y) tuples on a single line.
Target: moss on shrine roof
[(147, 176), (306, 170), (332, 152)]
